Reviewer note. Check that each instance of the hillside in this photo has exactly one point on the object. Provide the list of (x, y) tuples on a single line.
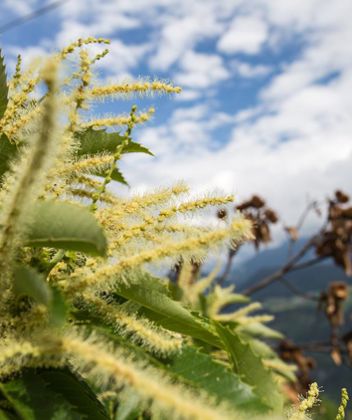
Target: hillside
[(298, 318)]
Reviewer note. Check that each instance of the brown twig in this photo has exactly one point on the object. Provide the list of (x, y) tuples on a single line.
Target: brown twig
[(291, 263), (297, 291), (230, 256)]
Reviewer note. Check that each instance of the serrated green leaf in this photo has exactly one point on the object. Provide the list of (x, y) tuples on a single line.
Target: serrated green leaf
[(4, 90), (167, 312), (250, 367), (202, 372), (64, 225), (116, 175), (92, 142), (28, 282), (7, 153), (52, 394)]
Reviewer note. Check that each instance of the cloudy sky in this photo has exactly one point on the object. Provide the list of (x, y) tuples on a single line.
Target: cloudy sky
[(267, 88)]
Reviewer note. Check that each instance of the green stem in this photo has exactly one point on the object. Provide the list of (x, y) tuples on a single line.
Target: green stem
[(117, 154)]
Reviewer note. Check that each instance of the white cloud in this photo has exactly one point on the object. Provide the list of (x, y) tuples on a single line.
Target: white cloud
[(295, 140), (201, 70), (180, 35), (188, 95), (246, 34), (250, 71), (19, 7)]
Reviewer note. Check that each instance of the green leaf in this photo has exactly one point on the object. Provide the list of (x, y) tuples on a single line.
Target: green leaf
[(28, 282), (52, 394), (116, 175), (167, 312), (201, 371), (59, 224), (58, 308), (92, 142), (251, 368), (4, 90), (7, 153)]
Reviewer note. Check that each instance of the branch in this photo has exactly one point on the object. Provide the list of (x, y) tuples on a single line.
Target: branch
[(227, 270), (298, 292), (289, 266)]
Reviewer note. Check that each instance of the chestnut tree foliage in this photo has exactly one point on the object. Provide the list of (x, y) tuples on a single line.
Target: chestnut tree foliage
[(86, 330)]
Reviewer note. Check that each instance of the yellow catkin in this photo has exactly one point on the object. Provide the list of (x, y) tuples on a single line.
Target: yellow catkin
[(223, 296), (79, 43), (99, 56), (137, 203), (14, 82), (246, 320), (194, 206), (255, 306), (16, 354), (80, 93), (154, 338), (152, 222), (343, 404), (134, 87), (307, 403), (120, 120), (238, 230), (26, 181), (80, 192), (21, 121), (93, 359), (87, 165)]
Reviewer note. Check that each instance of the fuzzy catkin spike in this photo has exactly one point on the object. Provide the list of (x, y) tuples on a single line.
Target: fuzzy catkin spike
[(307, 403), (194, 206), (120, 120), (116, 156), (134, 87), (138, 203), (342, 407), (105, 367), (17, 76), (16, 354), (29, 176), (239, 229), (79, 95), (155, 339), (79, 43)]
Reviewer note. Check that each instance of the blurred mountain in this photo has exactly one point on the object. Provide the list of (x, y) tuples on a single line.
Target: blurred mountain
[(298, 318)]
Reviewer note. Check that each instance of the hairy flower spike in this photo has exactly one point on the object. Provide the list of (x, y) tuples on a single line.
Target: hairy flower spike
[(134, 87), (99, 56), (307, 403), (343, 404), (122, 120), (96, 361), (156, 339), (202, 243), (79, 43), (17, 76), (27, 183), (117, 154)]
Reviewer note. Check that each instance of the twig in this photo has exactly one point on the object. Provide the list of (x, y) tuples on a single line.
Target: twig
[(298, 292), (282, 271), (30, 16), (227, 270)]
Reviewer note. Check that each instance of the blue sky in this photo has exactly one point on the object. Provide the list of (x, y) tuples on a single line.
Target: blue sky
[(266, 105)]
